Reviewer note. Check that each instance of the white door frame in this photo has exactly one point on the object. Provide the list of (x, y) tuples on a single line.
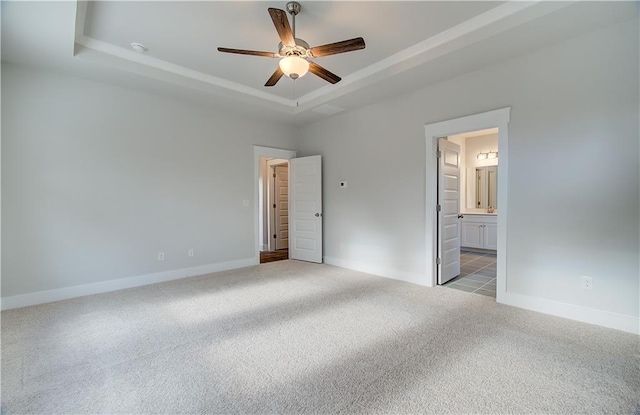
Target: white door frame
[(269, 152), (497, 118)]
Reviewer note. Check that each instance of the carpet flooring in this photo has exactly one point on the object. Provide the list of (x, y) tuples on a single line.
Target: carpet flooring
[(294, 337)]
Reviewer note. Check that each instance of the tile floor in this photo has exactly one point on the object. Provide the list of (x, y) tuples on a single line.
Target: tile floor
[(477, 274)]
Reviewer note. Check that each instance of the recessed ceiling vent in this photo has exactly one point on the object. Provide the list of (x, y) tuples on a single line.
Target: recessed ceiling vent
[(328, 109)]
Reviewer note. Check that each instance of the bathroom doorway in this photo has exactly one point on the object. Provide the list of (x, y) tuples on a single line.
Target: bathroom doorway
[(480, 232), (477, 212)]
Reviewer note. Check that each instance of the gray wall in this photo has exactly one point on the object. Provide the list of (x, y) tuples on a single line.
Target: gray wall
[(97, 179), (573, 170)]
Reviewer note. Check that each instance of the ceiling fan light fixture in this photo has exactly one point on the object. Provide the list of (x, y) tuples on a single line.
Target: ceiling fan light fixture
[(294, 66)]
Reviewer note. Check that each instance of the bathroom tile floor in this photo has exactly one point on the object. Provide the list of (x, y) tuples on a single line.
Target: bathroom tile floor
[(477, 273)]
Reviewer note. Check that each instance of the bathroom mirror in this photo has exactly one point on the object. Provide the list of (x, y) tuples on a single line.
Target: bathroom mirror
[(482, 187)]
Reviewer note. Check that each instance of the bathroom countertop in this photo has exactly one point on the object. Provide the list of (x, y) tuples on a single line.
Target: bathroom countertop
[(479, 213)]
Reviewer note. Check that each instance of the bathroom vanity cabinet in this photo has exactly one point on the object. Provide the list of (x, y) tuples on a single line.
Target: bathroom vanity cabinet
[(479, 231)]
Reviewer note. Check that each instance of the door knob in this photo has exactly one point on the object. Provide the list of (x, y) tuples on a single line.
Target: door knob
[(460, 216), (317, 215)]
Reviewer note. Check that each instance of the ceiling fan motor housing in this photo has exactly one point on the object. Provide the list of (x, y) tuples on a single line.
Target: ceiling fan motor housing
[(294, 53), (301, 49)]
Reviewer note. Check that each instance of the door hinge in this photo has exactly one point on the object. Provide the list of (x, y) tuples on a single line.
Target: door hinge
[(438, 154), (274, 205), (274, 175), (274, 235), (438, 208), (437, 261)]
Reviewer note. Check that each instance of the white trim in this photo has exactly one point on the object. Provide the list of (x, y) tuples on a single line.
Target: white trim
[(66, 293), (81, 16), (489, 23), (603, 318), (412, 277), (500, 118), (167, 71), (491, 119), (493, 21), (259, 151)]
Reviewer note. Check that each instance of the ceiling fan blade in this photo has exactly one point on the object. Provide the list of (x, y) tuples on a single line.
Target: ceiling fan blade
[(248, 52), (318, 70), (275, 77), (281, 22), (338, 47)]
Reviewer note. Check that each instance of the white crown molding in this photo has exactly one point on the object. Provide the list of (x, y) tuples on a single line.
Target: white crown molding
[(492, 22), (167, 71), (489, 23)]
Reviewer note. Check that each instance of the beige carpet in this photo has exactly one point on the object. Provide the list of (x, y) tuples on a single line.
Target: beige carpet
[(292, 337)]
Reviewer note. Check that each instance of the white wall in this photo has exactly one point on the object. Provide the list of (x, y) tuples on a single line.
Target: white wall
[(97, 179), (573, 171), (481, 144), (473, 146)]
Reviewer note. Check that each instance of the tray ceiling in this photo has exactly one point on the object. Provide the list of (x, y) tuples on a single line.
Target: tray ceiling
[(409, 45)]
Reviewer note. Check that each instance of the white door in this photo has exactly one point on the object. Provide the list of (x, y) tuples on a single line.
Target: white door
[(449, 209), (281, 213), (305, 202)]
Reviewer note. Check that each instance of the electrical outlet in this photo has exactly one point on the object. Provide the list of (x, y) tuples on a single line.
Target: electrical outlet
[(587, 283), (191, 252), (160, 256)]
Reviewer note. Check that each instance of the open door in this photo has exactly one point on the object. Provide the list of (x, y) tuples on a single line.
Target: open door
[(305, 209), (448, 210)]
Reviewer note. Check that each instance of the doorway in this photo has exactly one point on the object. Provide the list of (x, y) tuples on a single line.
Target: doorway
[(491, 233), (263, 186), (275, 210), (477, 213), (299, 217)]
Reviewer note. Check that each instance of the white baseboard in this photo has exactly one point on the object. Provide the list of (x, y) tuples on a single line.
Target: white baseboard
[(49, 296), (602, 318), (395, 274), (622, 322)]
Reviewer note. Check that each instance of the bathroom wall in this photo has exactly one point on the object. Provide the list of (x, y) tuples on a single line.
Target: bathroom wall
[(481, 144)]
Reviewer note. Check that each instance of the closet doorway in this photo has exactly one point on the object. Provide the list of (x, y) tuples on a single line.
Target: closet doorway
[(275, 210)]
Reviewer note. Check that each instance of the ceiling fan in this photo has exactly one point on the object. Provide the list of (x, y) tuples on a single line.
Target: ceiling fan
[(294, 53)]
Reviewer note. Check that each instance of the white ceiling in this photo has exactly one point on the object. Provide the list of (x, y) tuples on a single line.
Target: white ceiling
[(188, 34), (409, 45)]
